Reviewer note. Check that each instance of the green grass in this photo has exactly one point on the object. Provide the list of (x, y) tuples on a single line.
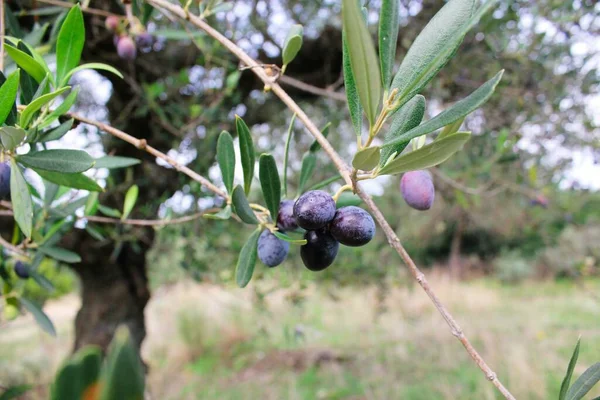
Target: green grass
[(208, 342)]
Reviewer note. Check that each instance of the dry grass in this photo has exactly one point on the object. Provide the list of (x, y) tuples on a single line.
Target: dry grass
[(208, 342)]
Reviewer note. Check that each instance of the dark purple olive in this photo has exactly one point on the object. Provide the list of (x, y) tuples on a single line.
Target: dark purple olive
[(285, 217), (126, 48), (352, 226), (4, 180), (272, 251), (314, 209), (144, 39), (320, 250), (112, 23), (22, 270), (417, 189)]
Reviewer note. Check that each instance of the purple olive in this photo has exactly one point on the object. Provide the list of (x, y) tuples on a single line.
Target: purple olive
[(126, 48), (22, 270), (112, 23), (144, 39), (272, 251), (4, 180), (285, 217), (314, 209), (417, 189), (352, 226), (320, 250)]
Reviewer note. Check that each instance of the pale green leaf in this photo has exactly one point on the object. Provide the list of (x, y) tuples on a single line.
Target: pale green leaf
[(247, 260), (292, 44), (388, 36), (366, 159), (130, 199), (21, 199)]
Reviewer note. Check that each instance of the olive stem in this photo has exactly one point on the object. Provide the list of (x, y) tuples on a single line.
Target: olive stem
[(341, 190)]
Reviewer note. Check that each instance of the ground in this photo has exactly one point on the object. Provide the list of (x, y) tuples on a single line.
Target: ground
[(210, 342)]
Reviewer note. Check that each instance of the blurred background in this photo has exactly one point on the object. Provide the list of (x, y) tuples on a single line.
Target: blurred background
[(511, 245)]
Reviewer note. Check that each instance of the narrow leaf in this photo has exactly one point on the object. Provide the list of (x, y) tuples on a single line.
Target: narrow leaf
[(35, 105), (292, 44), (584, 383), (309, 161), (242, 207), (450, 129), (270, 183), (427, 156), (403, 120), (11, 118), (8, 95), (226, 159), (356, 111), (75, 181), (115, 162), (69, 43), (63, 108), (109, 212), (224, 214), (130, 199), (60, 254), (567, 380), (57, 132), (40, 317), (388, 38), (28, 84), (459, 110), (21, 199), (67, 161), (26, 62), (95, 66), (42, 281), (286, 154), (366, 159), (11, 137), (289, 239), (246, 152), (247, 260), (363, 59), (91, 205)]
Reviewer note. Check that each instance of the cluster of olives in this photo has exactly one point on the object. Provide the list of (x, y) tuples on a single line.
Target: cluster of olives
[(126, 46), (4, 181), (326, 227)]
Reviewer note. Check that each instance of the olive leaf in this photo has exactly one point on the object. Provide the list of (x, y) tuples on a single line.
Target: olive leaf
[(246, 152), (226, 159), (247, 260), (366, 159), (270, 183), (409, 116), (292, 44), (242, 207), (388, 38)]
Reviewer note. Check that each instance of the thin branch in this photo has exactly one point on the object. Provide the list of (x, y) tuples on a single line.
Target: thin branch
[(143, 145), (344, 169), (10, 247), (88, 10), (298, 84)]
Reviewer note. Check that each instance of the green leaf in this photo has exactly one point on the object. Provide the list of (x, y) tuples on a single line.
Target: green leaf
[(309, 161), (246, 152), (11, 137), (12, 23), (286, 154), (270, 183), (315, 146), (459, 110), (21, 199), (78, 375), (67, 161), (130, 199), (388, 36), (115, 162), (27, 62), (367, 158), (289, 239), (35, 105), (40, 317), (350, 86), (109, 212), (584, 383), (42, 281), (61, 254), (43, 88), (427, 156), (11, 118), (567, 380), (63, 108), (8, 95), (242, 207), (363, 59), (450, 129), (247, 260), (224, 214), (123, 375), (75, 181), (69, 43), (15, 392), (91, 205), (226, 159), (57, 132), (435, 45), (35, 37), (406, 118), (292, 44), (28, 85), (95, 66), (347, 199), (50, 192)]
